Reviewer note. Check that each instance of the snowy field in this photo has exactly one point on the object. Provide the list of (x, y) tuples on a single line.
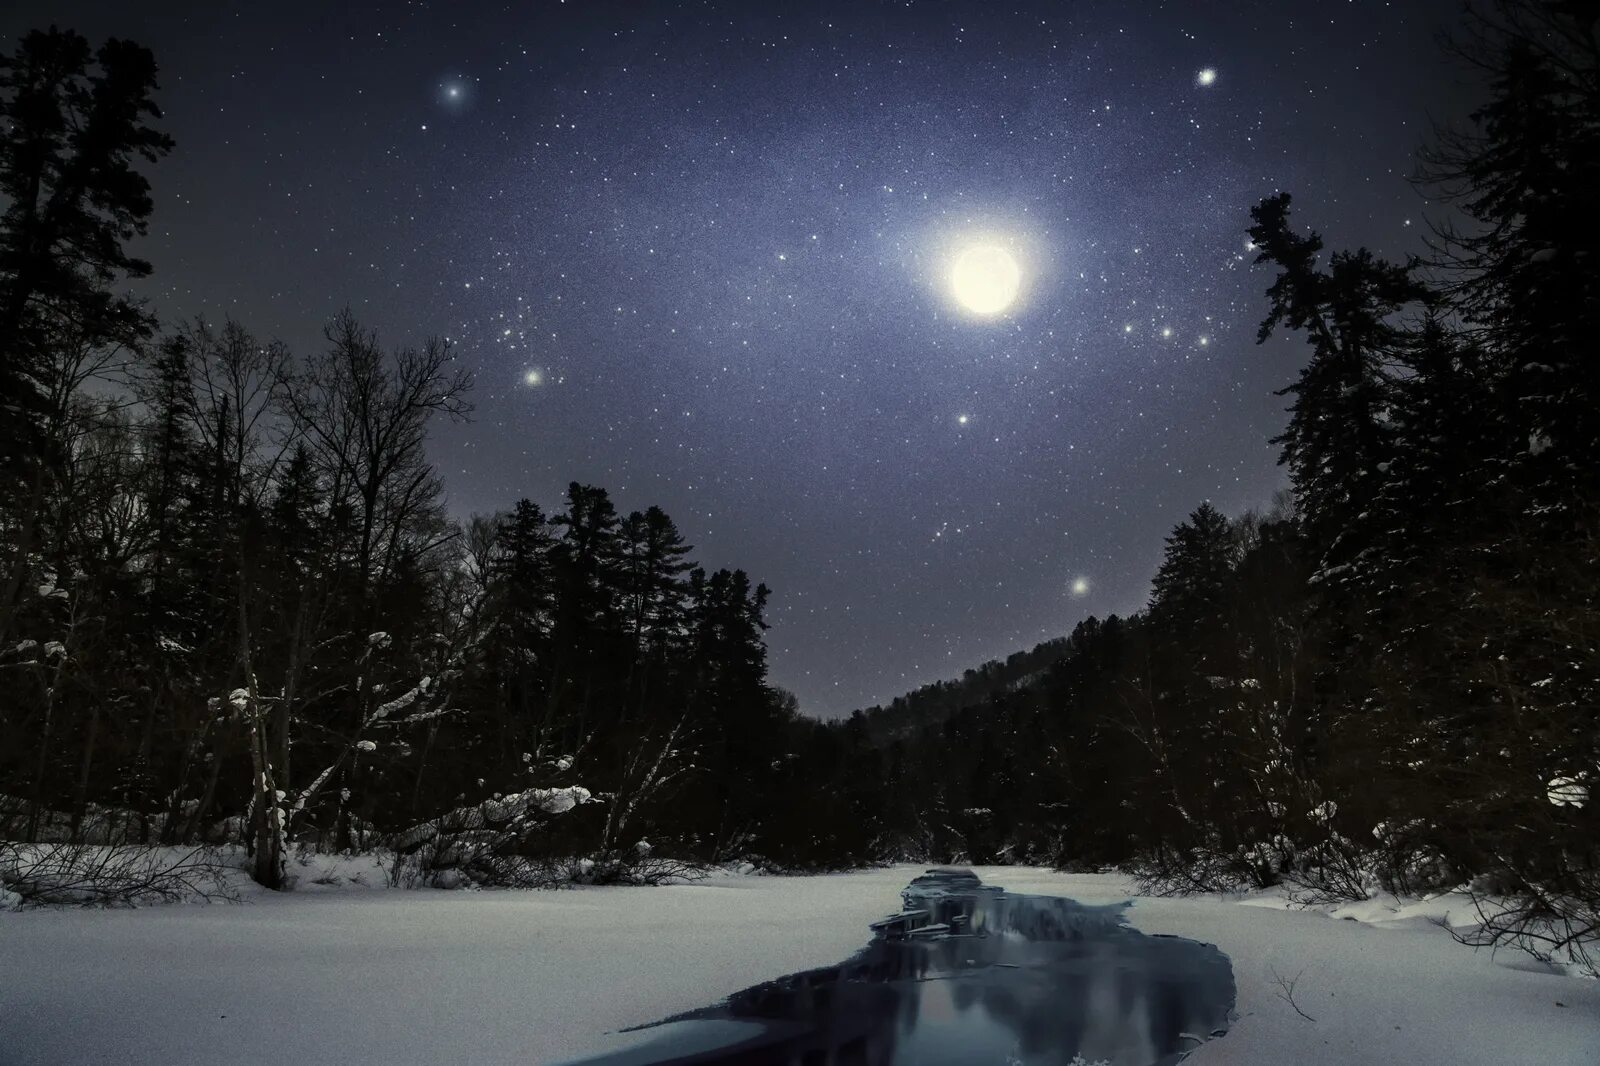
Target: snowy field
[(350, 976)]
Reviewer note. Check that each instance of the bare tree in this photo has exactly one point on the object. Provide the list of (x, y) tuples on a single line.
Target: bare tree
[(365, 415), (234, 379)]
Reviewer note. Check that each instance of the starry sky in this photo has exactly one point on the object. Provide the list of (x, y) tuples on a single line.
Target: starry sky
[(701, 254)]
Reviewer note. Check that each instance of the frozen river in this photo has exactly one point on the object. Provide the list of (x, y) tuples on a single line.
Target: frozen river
[(967, 973), (346, 974)]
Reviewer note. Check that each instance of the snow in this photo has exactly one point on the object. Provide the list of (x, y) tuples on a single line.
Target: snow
[(1568, 792), (325, 974)]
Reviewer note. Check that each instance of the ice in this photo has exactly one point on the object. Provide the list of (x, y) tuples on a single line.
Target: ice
[(538, 976)]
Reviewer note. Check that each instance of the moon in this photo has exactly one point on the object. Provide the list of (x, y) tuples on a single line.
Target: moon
[(985, 279)]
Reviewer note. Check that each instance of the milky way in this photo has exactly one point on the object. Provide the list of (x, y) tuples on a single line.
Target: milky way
[(700, 255)]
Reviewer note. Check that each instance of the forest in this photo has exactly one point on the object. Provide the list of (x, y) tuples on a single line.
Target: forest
[(235, 608)]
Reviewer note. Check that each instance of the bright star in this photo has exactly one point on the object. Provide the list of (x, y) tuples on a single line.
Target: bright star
[(533, 377), (962, 419), (1206, 78), (1166, 331), (1080, 587)]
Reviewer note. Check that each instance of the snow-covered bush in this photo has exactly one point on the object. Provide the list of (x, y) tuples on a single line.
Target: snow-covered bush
[(487, 842), (1333, 870)]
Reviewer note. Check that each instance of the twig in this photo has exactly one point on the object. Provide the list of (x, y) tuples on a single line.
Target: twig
[(1286, 991)]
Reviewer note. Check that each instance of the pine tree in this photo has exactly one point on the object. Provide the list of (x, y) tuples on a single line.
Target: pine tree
[(1192, 582), (586, 562), (1524, 173), (173, 461), (1194, 663), (72, 125), (292, 515), (523, 601), (1502, 693), (651, 561), (1339, 439), (523, 572)]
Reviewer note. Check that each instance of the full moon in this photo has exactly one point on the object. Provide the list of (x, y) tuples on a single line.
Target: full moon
[(985, 279)]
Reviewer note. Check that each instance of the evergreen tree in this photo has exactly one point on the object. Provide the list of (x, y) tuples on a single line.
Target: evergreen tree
[(522, 568), (1192, 582), (72, 125), (522, 600), (651, 563), (293, 515), (1339, 439), (586, 564), (1524, 173)]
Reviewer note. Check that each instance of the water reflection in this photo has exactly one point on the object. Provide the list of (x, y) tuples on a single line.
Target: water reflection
[(969, 973)]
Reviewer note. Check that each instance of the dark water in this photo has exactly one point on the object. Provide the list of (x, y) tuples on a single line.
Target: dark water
[(970, 973)]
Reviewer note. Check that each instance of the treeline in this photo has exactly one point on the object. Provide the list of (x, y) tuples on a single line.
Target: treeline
[(1395, 678), (234, 607), (935, 702)]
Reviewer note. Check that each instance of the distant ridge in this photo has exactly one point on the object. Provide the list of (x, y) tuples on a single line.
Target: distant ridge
[(934, 703)]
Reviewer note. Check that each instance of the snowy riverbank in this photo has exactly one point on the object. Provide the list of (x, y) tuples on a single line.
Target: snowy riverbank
[(488, 977)]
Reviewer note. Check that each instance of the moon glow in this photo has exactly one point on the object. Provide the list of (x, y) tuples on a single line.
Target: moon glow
[(985, 279)]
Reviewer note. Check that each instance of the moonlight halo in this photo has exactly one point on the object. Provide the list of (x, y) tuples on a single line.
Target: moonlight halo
[(774, 248)]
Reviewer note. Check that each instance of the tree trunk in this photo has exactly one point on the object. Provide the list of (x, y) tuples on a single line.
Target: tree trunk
[(36, 802), (268, 867), (83, 772), (208, 796)]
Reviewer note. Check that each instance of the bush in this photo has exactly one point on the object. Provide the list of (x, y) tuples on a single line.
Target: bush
[(109, 875)]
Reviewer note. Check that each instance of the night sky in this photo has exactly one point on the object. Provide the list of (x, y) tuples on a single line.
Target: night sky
[(702, 255)]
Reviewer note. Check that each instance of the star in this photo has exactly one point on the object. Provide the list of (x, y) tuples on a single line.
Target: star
[(547, 195)]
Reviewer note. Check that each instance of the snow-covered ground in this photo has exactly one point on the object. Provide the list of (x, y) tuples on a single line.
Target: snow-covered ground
[(331, 975)]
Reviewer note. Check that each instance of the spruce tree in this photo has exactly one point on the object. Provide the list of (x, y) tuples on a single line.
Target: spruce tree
[(1339, 439), (73, 125)]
